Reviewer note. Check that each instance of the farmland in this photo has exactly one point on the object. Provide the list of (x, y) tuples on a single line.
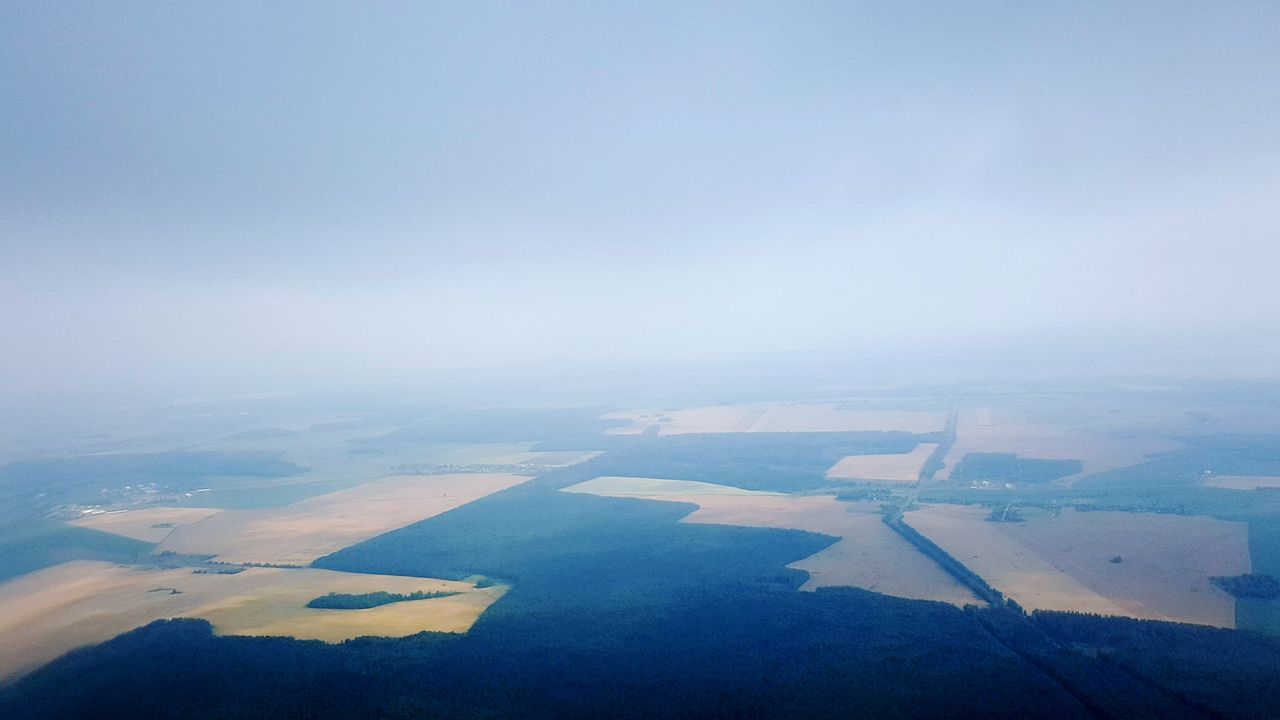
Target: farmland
[(1132, 564), (868, 554), (1010, 431), (897, 468), (742, 554), (440, 360), (298, 534), (148, 524), (49, 612), (776, 418), (521, 453)]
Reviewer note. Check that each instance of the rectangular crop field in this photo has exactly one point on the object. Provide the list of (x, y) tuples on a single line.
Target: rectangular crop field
[(1139, 565), (895, 468)]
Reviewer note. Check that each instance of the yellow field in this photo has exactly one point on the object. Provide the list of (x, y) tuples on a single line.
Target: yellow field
[(145, 524), (1242, 482), (869, 555), (788, 417), (1000, 430), (49, 612), (300, 533), (1063, 562), (899, 468)]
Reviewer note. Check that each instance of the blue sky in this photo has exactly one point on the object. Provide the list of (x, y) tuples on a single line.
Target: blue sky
[(201, 188)]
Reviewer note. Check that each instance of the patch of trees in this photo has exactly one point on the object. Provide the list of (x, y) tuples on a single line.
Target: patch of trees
[(865, 492), (501, 425), (953, 566), (1254, 585), (181, 469), (33, 546), (726, 652), (1008, 467), (1103, 689), (207, 560), (1219, 454), (171, 559), (934, 462), (1005, 513), (364, 601), (1223, 673), (95, 479), (618, 610), (784, 462)]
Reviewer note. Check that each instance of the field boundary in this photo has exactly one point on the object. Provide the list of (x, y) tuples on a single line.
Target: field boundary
[(936, 459)]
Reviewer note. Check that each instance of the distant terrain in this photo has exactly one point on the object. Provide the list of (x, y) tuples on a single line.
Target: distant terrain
[(1013, 555)]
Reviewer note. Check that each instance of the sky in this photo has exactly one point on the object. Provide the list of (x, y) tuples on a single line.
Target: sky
[(260, 190)]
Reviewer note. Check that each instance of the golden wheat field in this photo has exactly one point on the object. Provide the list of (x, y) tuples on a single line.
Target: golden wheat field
[(47, 613), (299, 533)]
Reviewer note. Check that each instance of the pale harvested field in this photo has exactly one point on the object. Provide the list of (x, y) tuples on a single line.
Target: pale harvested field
[(787, 417), (298, 534), (899, 468), (49, 612), (652, 488), (1001, 430), (869, 555), (1062, 562), (519, 453), (1005, 563), (1242, 482), (1167, 559), (141, 523)]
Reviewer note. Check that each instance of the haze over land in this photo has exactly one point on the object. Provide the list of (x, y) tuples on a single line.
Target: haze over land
[(640, 360), (266, 197)]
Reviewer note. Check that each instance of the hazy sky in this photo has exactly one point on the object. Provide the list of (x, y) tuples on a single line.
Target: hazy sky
[(207, 188)]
